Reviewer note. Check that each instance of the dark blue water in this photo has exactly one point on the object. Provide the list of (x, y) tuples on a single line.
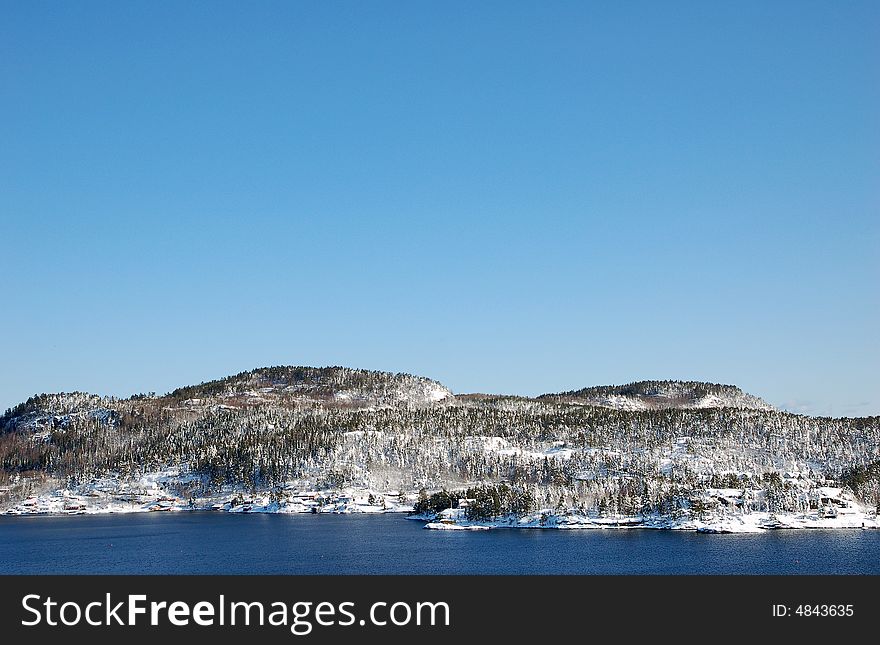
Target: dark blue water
[(217, 543)]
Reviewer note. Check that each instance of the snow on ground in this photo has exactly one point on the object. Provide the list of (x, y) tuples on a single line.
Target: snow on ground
[(847, 514), (621, 402), (110, 495), (440, 526), (834, 508), (151, 493), (739, 400), (436, 392), (731, 523), (502, 446), (558, 451)]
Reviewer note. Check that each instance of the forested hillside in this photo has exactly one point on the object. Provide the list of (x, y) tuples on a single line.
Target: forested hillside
[(275, 430)]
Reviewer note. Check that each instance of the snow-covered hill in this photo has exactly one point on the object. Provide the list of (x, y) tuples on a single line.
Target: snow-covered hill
[(333, 439), (325, 385), (654, 395), (47, 411)]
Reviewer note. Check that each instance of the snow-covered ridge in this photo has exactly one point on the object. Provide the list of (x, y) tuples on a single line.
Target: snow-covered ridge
[(327, 385), (652, 395), (46, 411)]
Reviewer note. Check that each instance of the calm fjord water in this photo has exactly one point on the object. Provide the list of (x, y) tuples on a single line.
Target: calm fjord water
[(220, 543)]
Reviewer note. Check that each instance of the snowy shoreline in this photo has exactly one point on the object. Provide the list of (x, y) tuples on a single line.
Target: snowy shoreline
[(154, 492), (160, 491), (455, 519), (749, 523)]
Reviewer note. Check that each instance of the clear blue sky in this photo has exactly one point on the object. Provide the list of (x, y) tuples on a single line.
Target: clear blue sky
[(515, 197)]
